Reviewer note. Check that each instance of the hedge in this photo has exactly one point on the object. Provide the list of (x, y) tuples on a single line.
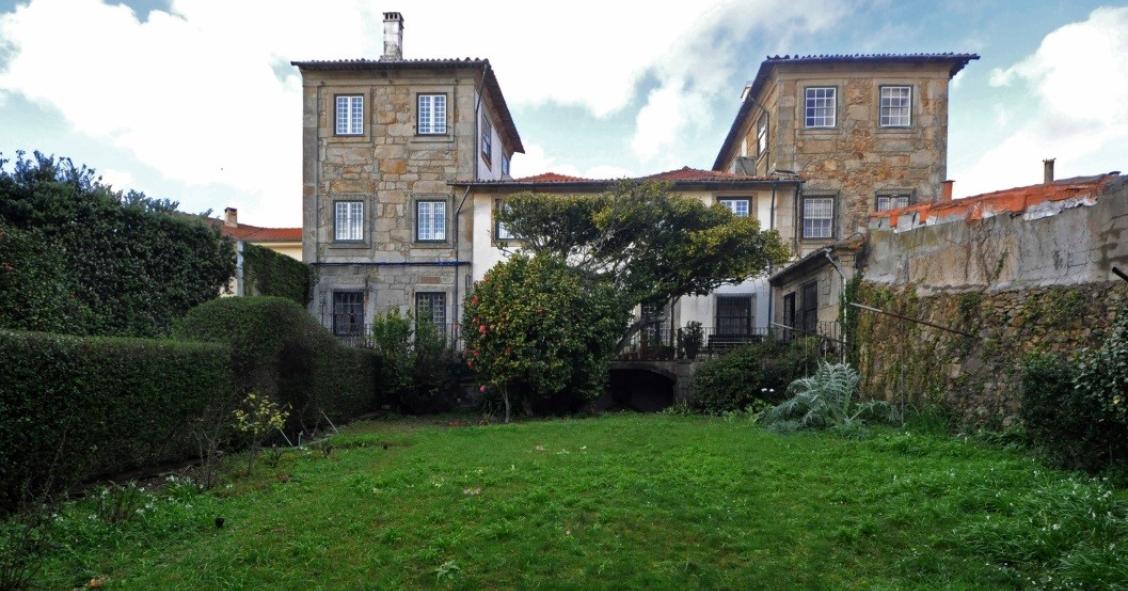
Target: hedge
[(119, 264), (280, 350), (73, 408), (267, 273), (756, 372)]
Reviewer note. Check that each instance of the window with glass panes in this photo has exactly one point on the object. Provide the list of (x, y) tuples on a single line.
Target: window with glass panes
[(430, 306), (738, 207), (501, 231), (487, 138), (734, 315), (762, 135), (821, 106), (430, 221), (348, 313), (348, 220), (431, 114), (818, 217), (350, 115), (896, 106), (887, 202)]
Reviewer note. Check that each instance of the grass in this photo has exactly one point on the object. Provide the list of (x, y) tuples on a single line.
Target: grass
[(620, 502)]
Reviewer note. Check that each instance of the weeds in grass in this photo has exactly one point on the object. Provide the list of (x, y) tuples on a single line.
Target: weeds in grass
[(24, 541)]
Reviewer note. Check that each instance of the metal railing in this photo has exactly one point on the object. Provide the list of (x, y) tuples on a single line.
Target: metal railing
[(661, 343), (451, 334)]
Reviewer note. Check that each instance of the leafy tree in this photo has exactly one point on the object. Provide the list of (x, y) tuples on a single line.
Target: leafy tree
[(420, 371), (541, 333), (651, 246), (116, 263)]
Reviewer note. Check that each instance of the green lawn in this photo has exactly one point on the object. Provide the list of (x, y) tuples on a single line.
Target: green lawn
[(620, 502)]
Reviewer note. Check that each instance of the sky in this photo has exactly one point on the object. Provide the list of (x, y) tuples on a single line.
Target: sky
[(195, 100)]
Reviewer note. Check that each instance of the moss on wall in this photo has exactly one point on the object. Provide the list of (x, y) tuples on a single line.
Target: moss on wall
[(977, 375)]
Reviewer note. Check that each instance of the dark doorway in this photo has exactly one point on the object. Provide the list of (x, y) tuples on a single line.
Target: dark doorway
[(639, 390)]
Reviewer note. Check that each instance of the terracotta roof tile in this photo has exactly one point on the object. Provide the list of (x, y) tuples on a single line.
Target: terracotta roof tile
[(552, 177), (257, 234)]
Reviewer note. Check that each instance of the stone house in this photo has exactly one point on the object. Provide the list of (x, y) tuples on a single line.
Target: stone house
[(381, 141), (865, 133)]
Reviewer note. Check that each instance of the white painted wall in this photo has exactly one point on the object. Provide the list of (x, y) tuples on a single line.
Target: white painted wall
[(491, 170)]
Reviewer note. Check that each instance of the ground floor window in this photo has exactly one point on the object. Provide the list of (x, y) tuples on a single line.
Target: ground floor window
[(430, 306), (348, 313), (734, 315), (788, 314)]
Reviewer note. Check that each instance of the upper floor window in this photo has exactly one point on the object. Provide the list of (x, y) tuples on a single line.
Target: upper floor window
[(501, 232), (504, 165), (818, 217), (821, 106), (350, 115), (430, 221), (487, 139), (431, 114), (738, 207), (348, 220), (762, 135), (896, 106), (887, 202)]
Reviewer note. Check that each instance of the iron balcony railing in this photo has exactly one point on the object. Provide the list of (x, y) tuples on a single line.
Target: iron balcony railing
[(663, 342), (451, 334)]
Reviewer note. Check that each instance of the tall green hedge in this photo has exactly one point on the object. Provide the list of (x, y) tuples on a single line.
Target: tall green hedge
[(89, 260), (267, 273), (280, 350), (72, 408)]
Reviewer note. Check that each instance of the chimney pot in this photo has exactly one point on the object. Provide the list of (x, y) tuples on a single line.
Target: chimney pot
[(230, 217), (946, 190), (393, 36), (1048, 170)]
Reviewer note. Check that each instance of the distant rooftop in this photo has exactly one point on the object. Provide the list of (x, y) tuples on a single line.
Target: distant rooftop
[(1032, 200), (680, 176)]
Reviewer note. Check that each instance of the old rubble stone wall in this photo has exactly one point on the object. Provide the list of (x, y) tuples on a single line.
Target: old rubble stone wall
[(1016, 284)]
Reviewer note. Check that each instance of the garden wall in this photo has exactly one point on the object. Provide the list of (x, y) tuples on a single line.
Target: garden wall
[(1019, 271)]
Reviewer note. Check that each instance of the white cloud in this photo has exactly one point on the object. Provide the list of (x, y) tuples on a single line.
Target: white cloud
[(118, 179), (1079, 77), (536, 161), (203, 93)]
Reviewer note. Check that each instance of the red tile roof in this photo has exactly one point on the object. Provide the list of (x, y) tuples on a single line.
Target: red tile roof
[(694, 174), (257, 234), (1015, 200), (679, 175), (552, 177)]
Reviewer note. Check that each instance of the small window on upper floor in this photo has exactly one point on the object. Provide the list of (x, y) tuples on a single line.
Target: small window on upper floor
[(430, 221), (896, 106), (818, 218), (762, 135), (821, 106), (504, 165), (487, 139), (738, 207), (348, 221), (350, 115), (891, 201), (431, 114)]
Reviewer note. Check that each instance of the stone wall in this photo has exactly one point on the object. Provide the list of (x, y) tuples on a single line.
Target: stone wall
[(977, 374)]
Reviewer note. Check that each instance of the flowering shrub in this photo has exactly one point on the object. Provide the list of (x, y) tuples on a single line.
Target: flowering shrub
[(538, 333), (258, 416)]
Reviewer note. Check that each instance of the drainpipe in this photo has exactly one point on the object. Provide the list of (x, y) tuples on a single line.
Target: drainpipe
[(841, 297), (771, 267), (457, 243)]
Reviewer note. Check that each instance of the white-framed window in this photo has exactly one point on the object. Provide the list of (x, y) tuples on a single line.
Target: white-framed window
[(487, 139), (821, 106), (431, 114), (430, 221), (896, 106), (430, 306), (892, 201), (501, 231), (762, 135), (348, 220), (504, 165), (818, 217), (350, 115), (738, 207)]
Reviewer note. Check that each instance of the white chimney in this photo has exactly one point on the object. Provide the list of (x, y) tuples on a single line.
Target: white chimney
[(230, 217), (393, 36)]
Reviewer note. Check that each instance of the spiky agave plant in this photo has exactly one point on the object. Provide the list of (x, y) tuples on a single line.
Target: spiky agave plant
[(826, 399)]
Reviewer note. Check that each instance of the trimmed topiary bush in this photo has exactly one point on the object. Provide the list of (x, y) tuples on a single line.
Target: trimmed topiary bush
[(279, 350), (73, 408), (758, 372)]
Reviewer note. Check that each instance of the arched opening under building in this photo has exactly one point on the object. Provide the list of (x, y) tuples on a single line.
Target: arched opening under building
[(640, 390)]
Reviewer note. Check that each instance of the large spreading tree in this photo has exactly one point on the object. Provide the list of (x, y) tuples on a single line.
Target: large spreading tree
[(650, 245)]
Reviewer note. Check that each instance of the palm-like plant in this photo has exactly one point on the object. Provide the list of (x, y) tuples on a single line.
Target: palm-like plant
[(827, 399)]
